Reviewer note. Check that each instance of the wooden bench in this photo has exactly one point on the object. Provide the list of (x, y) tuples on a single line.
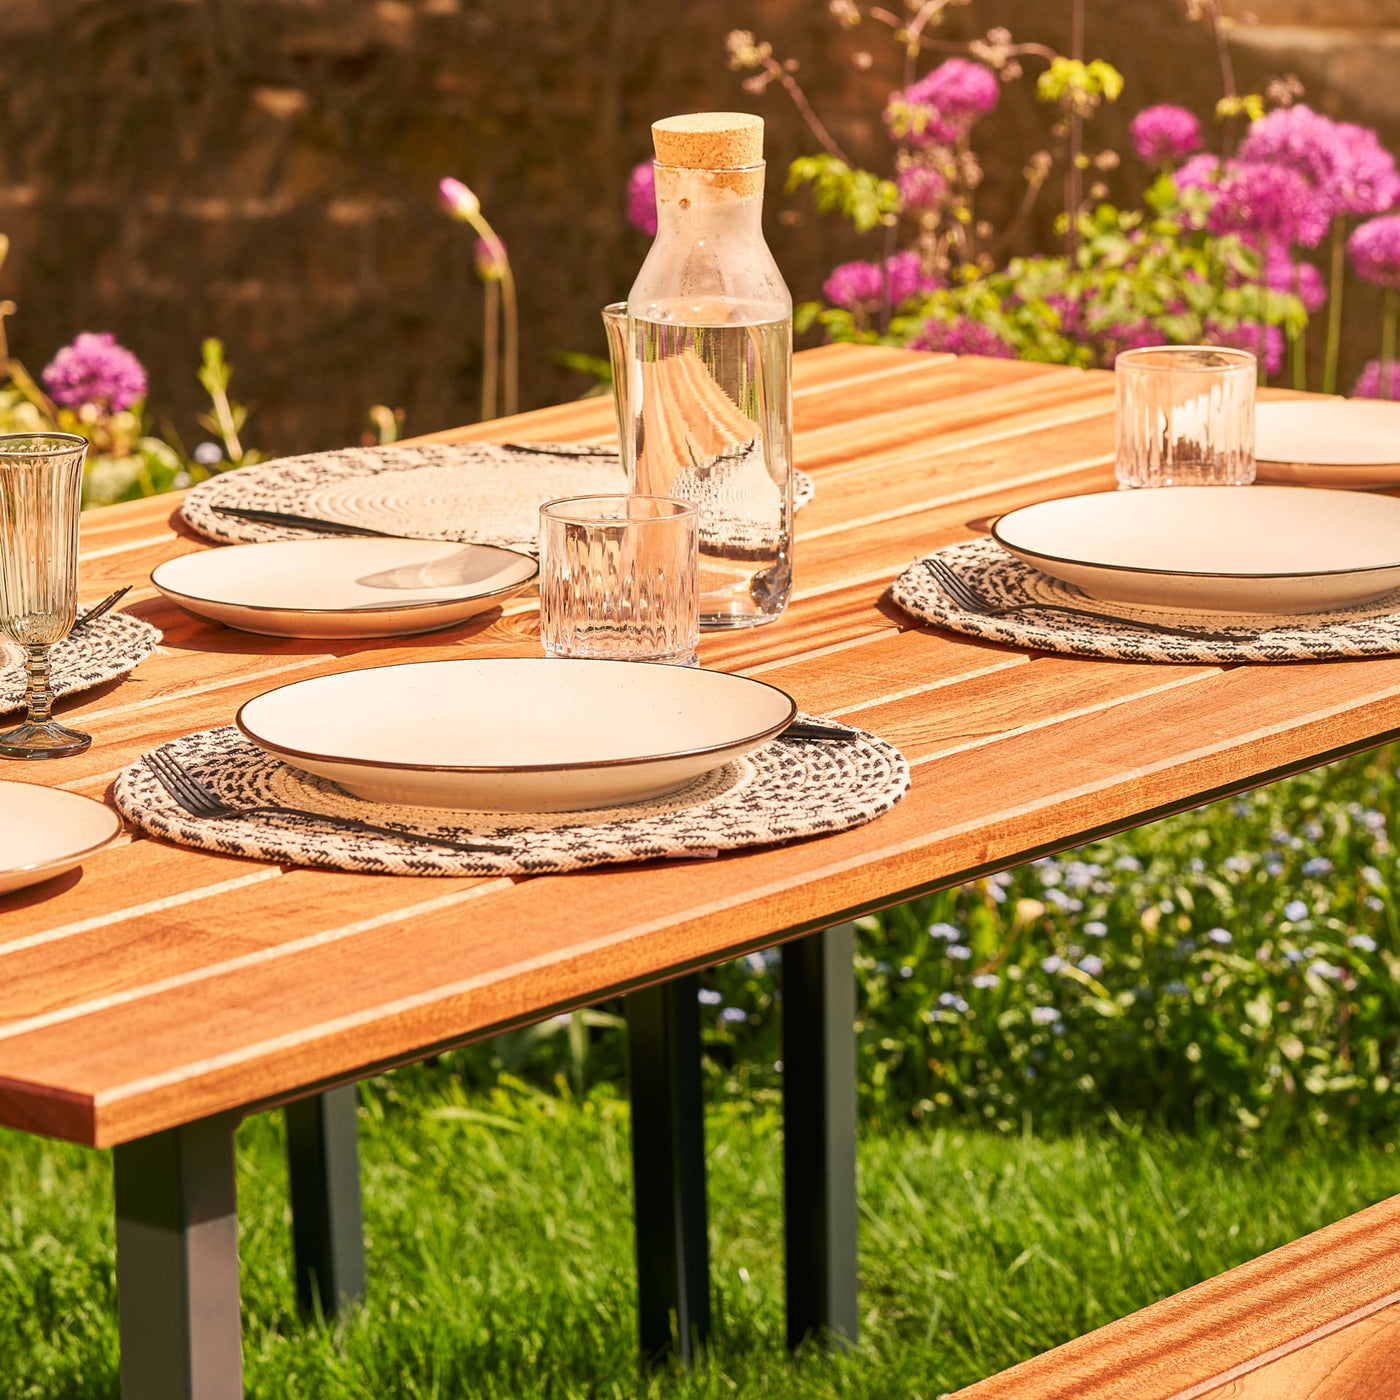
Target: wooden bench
[(1318, 1319)]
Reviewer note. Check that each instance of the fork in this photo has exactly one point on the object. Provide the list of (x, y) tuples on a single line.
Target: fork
[(965, 596), (100, 609), (198, 801)]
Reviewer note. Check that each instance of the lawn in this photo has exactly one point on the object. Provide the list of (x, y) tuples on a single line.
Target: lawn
[(500, 1250)]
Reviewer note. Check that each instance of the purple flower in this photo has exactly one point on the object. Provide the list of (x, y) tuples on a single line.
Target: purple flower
[(921, 187), (907, 277), (491, 259), (1370, 385), (94, 369), (1346, 164), (1253, 198), (457, 199), (942, 106), (641, 197), (853, 284), (860, 284), (962, 336), (1244, 335), (1165, 132), (1303, 279), (1375, 251)]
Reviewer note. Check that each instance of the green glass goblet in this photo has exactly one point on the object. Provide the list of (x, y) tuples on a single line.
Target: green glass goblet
[(41, 489)]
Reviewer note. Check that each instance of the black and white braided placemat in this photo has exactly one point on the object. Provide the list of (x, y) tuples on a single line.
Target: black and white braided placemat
[(107, 648), (473, 492), (785, 790), (1371, 629)]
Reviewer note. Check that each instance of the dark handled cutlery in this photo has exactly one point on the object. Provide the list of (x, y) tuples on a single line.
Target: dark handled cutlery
[(198, 801), (301, 522), (555, 452), (963, 595), (817, 729), (101, 609)]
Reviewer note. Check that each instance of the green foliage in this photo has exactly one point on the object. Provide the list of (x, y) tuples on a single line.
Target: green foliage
[(1078, 85), (501, 1268), (865, 199)]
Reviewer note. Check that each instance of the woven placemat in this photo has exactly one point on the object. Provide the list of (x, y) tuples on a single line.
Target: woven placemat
[(1371, 629), (489, 493), (785, 790), (105, 649)]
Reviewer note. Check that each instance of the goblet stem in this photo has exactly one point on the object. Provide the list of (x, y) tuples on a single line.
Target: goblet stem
[(40, 736), (38, 698)]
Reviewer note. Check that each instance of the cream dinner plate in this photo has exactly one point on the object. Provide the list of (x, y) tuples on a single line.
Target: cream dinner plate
[(45, 831), (533, 734), (1254, 549), (1328, 442), (344, 588)]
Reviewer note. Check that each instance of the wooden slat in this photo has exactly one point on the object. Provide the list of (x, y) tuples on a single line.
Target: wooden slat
[(1318, 1319), (163, 984)]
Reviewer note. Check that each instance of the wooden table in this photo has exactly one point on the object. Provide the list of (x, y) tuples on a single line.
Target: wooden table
[(149, 1002)]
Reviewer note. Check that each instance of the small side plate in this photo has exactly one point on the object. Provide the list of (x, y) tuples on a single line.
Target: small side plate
[(344, 587), (46, 832)]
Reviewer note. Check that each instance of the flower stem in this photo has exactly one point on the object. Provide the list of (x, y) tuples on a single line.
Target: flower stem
[(1334, 307), (491, 350), (1388, 326), (512, 338)]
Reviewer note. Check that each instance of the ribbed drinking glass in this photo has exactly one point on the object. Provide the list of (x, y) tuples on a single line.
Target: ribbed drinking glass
[(618, 578), (1185, 416), (41, 486)]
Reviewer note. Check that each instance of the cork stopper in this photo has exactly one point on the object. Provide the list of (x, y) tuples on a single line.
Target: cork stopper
[(709, 140)]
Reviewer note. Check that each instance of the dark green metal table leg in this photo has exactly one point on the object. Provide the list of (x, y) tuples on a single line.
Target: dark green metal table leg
[(323, 1157), (177, 1264), (668, 1166), (819, 1135)]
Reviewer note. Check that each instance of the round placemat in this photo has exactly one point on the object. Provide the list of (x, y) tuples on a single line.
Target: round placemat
[(110, 647), (1370, 629), (490, 492), (787, 789)]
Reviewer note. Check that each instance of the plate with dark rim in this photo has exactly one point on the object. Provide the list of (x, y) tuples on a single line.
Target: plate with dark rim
[(46, 832), (344, 587), (528, 734), (1249, 549)]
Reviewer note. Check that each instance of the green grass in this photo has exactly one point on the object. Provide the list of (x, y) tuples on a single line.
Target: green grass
[(500, 1250)]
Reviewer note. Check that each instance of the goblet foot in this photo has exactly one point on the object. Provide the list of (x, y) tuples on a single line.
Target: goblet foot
[(47, 740)]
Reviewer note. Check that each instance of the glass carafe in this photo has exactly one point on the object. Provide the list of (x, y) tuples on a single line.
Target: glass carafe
[(705, 395)]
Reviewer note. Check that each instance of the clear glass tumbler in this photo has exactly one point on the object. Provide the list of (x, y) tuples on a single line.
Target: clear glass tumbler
[(41, 488), (1185, 416), (619, 578)]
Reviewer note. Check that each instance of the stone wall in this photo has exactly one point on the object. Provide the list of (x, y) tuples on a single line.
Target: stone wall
[(265, 170)]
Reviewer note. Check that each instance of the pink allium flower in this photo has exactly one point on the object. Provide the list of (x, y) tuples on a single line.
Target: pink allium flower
[(853, 284), (1165, 132), (1372, 385), (1253, 198), (1346, 163), (907, 276), (962, 337), (943, 104), (94, 369), (1303, 279), (921, 187), (859, 284), (641, 197), (1375, 250), (491, 259), (1244, 335), (457, 199)]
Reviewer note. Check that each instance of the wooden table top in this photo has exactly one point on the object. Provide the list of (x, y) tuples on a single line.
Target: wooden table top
[(164, 984)]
